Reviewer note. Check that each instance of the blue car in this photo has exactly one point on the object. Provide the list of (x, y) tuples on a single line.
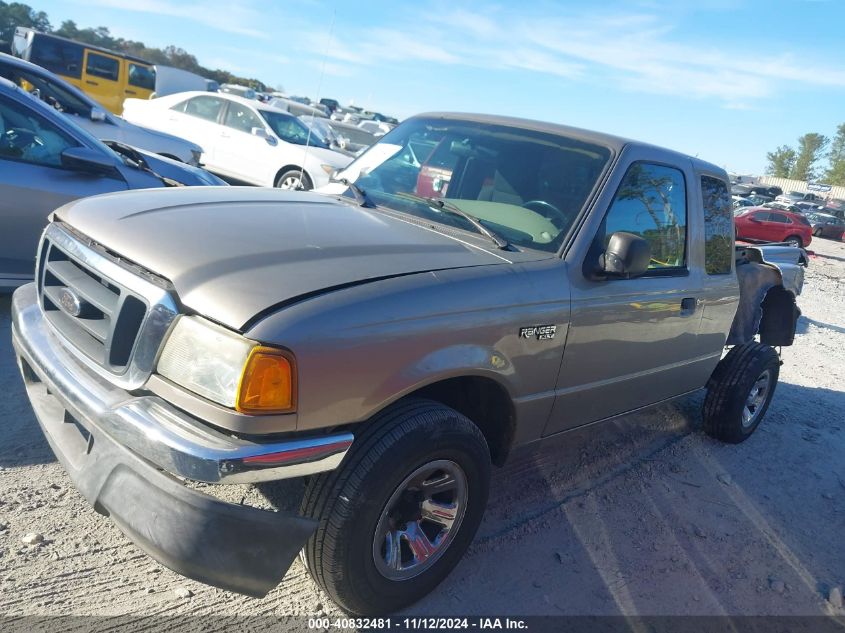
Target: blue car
[(46, 160)]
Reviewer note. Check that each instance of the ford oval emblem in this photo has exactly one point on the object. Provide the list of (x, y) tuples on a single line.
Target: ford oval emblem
[(71, 303)]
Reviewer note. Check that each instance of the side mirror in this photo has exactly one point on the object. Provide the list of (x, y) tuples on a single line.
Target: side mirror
[(627, 256), (98, 115), (85, 160), (260, 132)]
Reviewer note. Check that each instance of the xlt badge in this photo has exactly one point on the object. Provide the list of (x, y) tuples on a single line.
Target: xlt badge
[(540, 332)]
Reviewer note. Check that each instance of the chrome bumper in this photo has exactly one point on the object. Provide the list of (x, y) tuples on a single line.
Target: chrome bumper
[(147, 425)]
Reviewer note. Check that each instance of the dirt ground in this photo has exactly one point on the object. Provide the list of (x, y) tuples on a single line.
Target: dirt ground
[(644, 516)]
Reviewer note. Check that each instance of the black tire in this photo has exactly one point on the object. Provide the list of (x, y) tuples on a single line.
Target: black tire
[(730, 390), (817, 232), (794, 240), (350, 502), (293, 175)]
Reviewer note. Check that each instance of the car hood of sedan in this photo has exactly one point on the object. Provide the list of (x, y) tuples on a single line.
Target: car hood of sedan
[(233, 252)]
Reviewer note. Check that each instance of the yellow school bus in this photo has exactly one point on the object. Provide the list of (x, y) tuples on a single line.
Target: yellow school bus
[(108, 76)]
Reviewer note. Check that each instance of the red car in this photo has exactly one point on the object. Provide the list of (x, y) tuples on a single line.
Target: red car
[(773, 225)]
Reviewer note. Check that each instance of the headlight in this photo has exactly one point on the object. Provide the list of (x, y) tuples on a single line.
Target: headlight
[(227, 368)]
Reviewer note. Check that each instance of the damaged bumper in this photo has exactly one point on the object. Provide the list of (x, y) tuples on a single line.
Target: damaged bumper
[(120, 451)]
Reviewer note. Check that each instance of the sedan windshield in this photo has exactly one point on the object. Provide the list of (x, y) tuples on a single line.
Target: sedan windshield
[(526, 186), (291, 130)]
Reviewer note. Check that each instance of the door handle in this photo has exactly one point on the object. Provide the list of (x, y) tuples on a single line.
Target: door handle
[(224, 135), (688, 306), (131, 92), (93, 83)]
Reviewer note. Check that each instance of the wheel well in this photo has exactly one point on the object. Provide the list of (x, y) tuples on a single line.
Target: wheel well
[(482, 400), (796, 236), (286, 168)]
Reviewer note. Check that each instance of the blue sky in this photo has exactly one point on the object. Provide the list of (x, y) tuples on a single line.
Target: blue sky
[(727, 80)]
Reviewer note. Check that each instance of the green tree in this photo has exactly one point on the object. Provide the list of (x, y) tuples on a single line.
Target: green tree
[(811, 148), (781, 161), (14, 14), (835, 174)]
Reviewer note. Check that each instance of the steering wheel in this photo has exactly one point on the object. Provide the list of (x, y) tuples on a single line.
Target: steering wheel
[(20, 139), (548, 211)]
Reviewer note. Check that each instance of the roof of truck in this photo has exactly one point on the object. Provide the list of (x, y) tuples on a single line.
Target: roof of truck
[(615, 143)]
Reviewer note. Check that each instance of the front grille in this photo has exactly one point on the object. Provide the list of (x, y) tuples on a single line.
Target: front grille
[(106, 325), (105, 310)]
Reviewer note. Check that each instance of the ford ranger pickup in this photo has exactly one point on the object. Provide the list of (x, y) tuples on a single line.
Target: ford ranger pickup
[(469, 285)]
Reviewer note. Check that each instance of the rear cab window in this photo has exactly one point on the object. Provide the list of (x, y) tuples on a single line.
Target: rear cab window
[(718, 226)]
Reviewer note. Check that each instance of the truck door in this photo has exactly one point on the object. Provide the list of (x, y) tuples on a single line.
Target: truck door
[(633, 342), (102, 79)]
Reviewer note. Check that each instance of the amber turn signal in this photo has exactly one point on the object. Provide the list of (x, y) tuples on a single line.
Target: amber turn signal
[(267, 384)]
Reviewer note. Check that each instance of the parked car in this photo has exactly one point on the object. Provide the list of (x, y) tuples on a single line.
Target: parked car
[(376, 128), (343, 137), (792, 197), (331, 104), (243, 139), (107, 76), (388, 346), (738, 202), (46, 160), (89, 115), (240, 91), (768, 225), (759, 199), (806, 206), (294, 107), (826, 225), (746, 189), (782, 206)]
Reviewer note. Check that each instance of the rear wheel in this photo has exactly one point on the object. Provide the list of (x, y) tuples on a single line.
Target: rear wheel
[(399, 513), (739, 392), (295, 180), (794, 240)]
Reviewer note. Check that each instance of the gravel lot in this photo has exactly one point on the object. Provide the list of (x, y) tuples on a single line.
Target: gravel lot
[(646, 515)]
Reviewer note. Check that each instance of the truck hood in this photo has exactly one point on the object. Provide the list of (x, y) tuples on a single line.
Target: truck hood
[(233, 252)]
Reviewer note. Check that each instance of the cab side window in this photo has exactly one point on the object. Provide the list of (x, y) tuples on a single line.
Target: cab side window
[(26, 137), (718, 226), (102, 66), (651, 202)]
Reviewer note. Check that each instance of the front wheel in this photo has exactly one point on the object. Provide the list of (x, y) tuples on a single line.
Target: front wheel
[(398, 514), (294, 179), (739, 392)]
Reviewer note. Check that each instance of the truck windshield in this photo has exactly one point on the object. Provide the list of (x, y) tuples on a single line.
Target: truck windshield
[(525, 185)]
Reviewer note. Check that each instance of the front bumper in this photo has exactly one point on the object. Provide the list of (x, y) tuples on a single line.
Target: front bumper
[(120, 451)]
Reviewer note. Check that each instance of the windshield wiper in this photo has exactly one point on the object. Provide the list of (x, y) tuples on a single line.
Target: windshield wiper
[(448, 207), (361, 196), (132, 158)]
